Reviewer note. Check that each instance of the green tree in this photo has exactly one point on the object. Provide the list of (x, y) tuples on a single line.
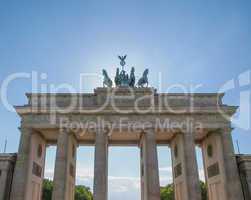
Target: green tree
[(47, 189), (203, 188), (81, 192), (167, 193)]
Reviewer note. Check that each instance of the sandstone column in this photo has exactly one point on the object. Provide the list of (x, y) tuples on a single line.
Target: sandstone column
[(29, 169), (234, 190), (101, 166), (222, 175), (150, 185), (142, 172), (65, 167), (4, 172), (7, 164), (185, 169), (244, 165)]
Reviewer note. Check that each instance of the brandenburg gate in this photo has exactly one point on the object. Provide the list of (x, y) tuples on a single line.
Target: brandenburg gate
[(127, 116)]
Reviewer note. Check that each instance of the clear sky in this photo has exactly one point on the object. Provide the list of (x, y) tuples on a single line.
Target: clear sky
[(188, 42)]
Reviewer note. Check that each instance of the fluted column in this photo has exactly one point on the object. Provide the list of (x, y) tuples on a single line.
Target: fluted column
[(29, 168), (101, 166), (234, 190), (4, 178), (150, 185), (185, 169), (65, 167), (22, 166), (221, 170)]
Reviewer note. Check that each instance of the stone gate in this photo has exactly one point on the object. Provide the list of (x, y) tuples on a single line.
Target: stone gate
[(127, 116)]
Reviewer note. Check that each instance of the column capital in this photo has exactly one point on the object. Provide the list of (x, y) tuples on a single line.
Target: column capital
[(148, 130), (104, 131), (227, 129), (220, 131), (64, 131), (25, 129)]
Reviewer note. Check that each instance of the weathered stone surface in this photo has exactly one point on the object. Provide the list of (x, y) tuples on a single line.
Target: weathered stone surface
[(65, 167), (185, 169), (29, 168), (21, 172), (7, 163), (101, 166), (234, 190), (244, 165), (173, 119), (124, 98), (149, 167), (224, 181)]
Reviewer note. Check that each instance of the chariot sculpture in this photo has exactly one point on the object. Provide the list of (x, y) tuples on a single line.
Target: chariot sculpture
[(122, 79)]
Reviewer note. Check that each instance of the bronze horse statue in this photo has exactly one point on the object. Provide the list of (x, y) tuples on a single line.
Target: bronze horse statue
[(144, 79)]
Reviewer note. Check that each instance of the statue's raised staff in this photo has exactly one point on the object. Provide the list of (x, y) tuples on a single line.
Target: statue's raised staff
[(144, 79), (107, 81)]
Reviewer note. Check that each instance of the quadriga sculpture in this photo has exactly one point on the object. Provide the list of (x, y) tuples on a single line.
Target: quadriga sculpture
[(122, 79)]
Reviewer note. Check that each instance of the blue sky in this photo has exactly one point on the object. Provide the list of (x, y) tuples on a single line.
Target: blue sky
[(188, 42)]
